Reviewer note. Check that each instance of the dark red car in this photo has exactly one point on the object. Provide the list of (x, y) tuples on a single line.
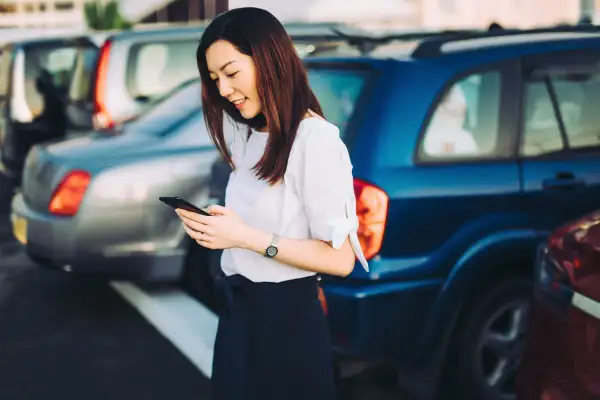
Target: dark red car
[(561, 360)]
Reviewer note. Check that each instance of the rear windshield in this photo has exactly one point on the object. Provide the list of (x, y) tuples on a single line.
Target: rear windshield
[(155, 68), (84, 70), (174, 108), (338, 91), (52, 65)]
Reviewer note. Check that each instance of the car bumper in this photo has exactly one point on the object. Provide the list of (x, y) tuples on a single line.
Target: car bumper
[(52, 241), (378, 321), (561, 359)]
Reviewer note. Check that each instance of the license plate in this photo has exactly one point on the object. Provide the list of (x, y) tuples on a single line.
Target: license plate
[(19, 225)]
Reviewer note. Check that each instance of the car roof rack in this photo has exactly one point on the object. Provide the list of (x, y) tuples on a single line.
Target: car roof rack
[(366, 43), (431, 47), (320, 31)]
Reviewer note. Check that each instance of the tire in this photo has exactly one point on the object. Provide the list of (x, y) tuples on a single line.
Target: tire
[(488, 343), (197, 279)]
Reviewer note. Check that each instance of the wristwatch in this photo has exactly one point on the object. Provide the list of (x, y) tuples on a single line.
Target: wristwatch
[(272, 250)]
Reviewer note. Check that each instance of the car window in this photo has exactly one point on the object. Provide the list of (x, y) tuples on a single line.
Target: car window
[(192, 130), (155, 68), (465, 122), (577, 91), (81, 87), (338, 91), (5, 61), (171, 110), (50, 66)]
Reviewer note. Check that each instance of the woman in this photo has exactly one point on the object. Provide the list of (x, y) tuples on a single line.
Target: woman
[(289, 213)]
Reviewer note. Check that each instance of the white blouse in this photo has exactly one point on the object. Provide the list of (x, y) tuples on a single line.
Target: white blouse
[(315, 199)]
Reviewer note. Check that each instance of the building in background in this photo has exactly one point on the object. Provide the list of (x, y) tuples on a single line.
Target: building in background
[(591, 8), (376, 13), (69, 13), (400, 14), (151, 11), (384, 14), (513, 13), (28, 13)]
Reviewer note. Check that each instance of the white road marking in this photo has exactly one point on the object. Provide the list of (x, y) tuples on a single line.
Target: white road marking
[(181, 319)]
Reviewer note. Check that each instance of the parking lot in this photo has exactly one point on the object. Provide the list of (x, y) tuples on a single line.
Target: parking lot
[(475, 160), (69, 337)]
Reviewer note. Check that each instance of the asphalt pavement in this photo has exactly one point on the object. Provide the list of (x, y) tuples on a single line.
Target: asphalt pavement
[(68, 337)]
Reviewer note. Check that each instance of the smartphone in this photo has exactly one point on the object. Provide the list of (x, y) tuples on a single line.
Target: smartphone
[(178, 202)]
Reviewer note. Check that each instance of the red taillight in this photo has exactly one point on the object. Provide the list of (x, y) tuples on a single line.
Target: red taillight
[(371, 208), (69, 193), (323, 300), (102, 118)]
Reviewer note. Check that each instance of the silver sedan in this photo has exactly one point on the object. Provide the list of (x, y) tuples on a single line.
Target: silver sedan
[(90, 204)]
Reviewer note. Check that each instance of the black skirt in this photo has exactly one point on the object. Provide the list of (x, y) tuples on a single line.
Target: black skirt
[(272, 342)]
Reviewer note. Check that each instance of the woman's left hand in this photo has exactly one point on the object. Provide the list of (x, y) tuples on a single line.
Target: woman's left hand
[(223, 230)]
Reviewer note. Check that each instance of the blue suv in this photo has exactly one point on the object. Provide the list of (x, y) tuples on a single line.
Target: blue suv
[(468, 149)]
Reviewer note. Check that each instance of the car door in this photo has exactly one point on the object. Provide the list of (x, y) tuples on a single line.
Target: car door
[(6, 189), (5, 77), (41, 72), (559, 147), (466, 157)]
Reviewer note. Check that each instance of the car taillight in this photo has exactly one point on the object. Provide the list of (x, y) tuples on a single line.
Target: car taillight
[(102, 118), (69, 193), (323, 300), (371, 209)]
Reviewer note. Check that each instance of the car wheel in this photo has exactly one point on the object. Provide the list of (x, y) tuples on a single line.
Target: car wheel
[(488, 344), (196, 279)]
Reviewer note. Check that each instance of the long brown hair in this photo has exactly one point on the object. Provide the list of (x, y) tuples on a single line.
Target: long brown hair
[(281, 79)]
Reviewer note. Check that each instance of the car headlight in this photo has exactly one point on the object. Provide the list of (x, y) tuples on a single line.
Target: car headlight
[(133, 182)]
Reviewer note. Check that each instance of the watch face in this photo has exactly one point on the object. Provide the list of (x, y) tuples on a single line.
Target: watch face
[(271, 251)]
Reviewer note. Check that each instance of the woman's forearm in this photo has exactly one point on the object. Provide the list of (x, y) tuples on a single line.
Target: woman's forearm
[(307, 254)]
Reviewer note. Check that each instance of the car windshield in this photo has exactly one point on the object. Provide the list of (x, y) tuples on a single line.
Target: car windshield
[(338, 91), (170, 109)]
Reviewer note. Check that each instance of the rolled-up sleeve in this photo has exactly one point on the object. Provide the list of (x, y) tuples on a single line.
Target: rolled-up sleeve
[(324, 182)]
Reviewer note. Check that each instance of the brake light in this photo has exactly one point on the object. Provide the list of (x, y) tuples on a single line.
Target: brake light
[(102, 118), (323, 300), (69, 193), (371, 209)]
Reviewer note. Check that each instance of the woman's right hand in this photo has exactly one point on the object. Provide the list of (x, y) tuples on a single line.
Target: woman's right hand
[(222, 230)]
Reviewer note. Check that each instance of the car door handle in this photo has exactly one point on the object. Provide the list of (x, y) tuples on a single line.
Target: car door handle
[(563, 181)]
